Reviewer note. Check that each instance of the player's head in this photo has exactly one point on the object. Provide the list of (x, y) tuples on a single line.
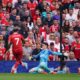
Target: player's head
[(44, 45), (51, 45), (15, 30)]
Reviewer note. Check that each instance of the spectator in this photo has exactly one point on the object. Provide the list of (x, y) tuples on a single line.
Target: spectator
[(43, 31), (36, 50), (71, 16), (24, 29), (72, 57), (30, 37), (36, 15), (23, 9), (53, 57), (18, 3), (27, 50), (48, 10), (48, 20), (76, 48), (66, 26), (9, 7), (32, 4), (57, 15), (2, 48), (55, 26), (77, 26), (38, 23), (57, 44), (11, 26), (70, 35), (13, 14), (26, 14), (18, 20), (66, 44), (30, 24), (42, 6), (51, 38)]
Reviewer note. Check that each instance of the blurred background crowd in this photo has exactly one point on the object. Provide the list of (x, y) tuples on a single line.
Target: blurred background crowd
[(39, 21)]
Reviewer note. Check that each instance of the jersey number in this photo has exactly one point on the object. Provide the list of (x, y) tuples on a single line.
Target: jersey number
[(17, 41)]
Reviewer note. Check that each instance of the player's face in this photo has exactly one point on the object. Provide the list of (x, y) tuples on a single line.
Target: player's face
[(44, 46), (52, 46)]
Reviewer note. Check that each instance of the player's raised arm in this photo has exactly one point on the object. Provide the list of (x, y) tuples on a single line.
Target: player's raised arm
[(55, 53)]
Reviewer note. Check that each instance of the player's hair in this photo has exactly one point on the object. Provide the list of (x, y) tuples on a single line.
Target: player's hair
[(51, 44), (45, 43), (15, 30)]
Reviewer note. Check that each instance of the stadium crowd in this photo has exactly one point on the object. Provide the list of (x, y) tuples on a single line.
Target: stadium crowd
[(39, 21)]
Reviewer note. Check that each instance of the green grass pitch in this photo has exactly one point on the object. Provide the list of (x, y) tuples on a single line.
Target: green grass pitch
[(24, 76)]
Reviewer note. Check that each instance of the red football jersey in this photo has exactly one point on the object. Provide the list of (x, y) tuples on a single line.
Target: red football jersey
[(16, 40)]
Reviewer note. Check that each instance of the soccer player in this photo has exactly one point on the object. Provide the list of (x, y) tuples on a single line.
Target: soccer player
[(44, 54), (15, 40)]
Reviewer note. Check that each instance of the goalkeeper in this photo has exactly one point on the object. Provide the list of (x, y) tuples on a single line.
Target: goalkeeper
[(42, 67)]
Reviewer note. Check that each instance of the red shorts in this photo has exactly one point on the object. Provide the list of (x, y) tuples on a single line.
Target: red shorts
[(18, 55)]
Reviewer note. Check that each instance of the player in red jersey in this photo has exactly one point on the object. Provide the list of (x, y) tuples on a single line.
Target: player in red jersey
[(16, 40)]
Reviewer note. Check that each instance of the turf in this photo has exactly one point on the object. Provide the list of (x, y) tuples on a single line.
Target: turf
[(39, 76)]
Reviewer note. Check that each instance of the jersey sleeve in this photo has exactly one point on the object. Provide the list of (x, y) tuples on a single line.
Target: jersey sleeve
[(54, 53)]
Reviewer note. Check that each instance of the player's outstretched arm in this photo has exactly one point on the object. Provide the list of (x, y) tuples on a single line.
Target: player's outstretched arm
[(36, 56), (56, 53)]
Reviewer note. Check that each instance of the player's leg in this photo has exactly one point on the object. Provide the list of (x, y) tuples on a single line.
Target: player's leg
[(24, 64), (15, 66), (34, 70), (43, 65), (38, 69)]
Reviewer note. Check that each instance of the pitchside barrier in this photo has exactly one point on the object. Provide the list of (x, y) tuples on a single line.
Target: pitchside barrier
[(5, 66)]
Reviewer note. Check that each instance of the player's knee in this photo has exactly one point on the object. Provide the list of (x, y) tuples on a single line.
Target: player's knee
[(31, 70), (40, 70)]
